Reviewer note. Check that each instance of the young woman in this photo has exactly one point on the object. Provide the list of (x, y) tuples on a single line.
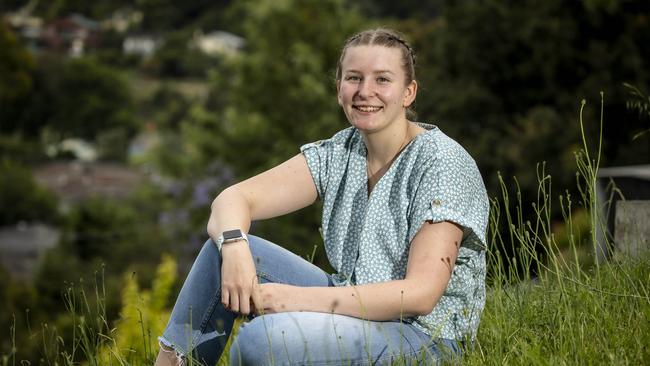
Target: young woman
[(404, 220)]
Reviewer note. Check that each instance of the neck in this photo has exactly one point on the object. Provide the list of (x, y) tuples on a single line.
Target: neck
[(384, 145)]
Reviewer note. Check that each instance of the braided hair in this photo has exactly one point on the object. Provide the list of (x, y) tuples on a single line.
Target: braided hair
[(382, 37)]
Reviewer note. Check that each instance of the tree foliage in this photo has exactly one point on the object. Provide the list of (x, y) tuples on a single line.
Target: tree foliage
[(71, 98), (22, 198), (277, 95), (489, 67), (103, 233), (16, 68), (282, 91), (142, 317)]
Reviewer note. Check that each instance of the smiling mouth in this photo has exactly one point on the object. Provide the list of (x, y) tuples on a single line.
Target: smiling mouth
[(366, 108)]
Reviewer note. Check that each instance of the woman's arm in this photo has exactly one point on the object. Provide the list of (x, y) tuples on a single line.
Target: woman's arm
[(275, 192), (280, 190), (431, 260)]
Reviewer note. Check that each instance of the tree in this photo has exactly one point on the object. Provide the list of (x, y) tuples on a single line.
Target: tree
[(282, 93), (96, 98), (105, 236), (22, 198), (71, 98), (506, 79), (406, 9), (486, 65), (639, 102), (276, 96), (176, 58), (17, 69)]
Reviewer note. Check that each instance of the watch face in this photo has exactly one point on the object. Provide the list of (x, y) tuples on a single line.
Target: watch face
[(232, 234)]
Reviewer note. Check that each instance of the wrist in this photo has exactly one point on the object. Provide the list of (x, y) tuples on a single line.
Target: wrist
[(231, 237)]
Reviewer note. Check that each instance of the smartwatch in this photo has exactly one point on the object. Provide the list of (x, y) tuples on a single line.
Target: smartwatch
[(230, 236)]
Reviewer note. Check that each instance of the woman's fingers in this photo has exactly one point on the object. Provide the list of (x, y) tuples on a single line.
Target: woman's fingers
[(241, 301), (256, 298), (234, 302), (245, 303), (225, 298)]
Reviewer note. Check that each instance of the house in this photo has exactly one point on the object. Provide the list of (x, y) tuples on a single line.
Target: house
[(143, 45), (72, 35), (74, 181), (218, 43), (26, 26), (82, 150), (122, 20)]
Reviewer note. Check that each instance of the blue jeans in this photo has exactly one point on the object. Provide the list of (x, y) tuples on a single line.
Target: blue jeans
[(201, 325)]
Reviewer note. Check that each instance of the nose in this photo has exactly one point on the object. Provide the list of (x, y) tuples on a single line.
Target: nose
[(365, 89)]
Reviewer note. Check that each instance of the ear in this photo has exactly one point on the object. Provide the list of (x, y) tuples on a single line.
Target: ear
[(409, 93)]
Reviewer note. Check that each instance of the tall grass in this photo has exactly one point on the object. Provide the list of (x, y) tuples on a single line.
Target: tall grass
[(133, 341), (574, 310), (597, 318), (569, 314)]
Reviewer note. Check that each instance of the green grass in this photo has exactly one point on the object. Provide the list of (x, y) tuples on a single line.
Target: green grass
[(599, 317)]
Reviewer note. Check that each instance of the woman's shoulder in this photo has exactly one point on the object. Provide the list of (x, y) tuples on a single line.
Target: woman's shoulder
[(342, 139), (345, 136), (438, 146)]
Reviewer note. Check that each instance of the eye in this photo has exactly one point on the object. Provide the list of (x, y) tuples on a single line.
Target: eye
[(352, 78), (383, 80)]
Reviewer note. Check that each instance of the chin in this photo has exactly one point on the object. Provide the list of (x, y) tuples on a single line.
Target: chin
[(365, 124), (368, 127), (362, 127)]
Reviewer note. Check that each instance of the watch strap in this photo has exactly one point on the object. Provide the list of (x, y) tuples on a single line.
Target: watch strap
[(230, 236)]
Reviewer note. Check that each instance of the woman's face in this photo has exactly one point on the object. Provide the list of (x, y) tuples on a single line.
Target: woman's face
[(372, 90)]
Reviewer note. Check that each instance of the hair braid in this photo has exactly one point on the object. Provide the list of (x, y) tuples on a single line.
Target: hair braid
[(382, 37)]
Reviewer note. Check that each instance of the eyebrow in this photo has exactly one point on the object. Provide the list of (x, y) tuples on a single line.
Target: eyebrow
[(374, 72)]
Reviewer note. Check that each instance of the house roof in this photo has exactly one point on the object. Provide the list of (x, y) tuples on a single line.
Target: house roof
[(73, 181)]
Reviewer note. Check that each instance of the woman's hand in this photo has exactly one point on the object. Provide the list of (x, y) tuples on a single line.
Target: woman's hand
[(238, 278), (277, 298), (278, 191)]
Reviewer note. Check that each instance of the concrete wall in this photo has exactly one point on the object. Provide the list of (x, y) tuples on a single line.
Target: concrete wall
[(632, 228)]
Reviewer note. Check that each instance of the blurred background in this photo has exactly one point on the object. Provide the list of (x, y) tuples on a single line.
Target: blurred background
[(120, 120)]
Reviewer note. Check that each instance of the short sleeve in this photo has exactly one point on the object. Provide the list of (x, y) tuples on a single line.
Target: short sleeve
[(451, 189), (316, 154)]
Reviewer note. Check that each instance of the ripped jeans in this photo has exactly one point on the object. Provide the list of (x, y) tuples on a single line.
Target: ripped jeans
[(200, 325)]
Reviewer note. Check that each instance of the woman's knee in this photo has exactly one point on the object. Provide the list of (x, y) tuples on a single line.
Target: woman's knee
[(209, 247), (208, 255)]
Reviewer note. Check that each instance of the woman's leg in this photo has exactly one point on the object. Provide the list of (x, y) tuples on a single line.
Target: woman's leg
[(307, 338), (200, 324)]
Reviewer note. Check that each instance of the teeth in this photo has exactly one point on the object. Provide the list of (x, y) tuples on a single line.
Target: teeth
[(367, 108)]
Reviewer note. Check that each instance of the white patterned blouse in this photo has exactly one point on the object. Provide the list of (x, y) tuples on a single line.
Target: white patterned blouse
[(367, 237)]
